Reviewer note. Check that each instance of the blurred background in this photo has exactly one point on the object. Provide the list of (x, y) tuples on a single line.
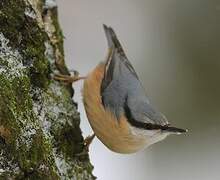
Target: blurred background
[(175, 48)]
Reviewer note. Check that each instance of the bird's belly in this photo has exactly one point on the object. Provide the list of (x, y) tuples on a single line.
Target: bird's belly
[(118, 137), (115, 133)]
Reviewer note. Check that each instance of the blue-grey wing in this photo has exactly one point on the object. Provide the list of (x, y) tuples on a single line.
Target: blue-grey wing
[(121, 88)]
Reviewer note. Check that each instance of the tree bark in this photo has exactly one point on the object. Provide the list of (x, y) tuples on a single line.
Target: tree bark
[(39, 122)]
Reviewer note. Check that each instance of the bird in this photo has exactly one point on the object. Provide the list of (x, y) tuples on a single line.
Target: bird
[(116, 104)]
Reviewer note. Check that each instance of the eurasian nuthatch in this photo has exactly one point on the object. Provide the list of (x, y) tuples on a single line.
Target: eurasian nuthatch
[(117, 107)]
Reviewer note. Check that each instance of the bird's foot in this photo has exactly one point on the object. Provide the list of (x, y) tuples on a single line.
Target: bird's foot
[(87, 141), (69, 79)]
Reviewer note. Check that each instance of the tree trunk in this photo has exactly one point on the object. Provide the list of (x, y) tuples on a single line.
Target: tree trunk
[(39, 123)]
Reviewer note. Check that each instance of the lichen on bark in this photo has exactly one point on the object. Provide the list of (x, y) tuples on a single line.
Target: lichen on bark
[(39, 122)]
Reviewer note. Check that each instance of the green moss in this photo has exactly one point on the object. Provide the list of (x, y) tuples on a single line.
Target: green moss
[(26, 147), (58, 32), (58, 44), (9, 107), (25, 35), (27, 144), (11, 23), (64, 120), (41, 120), (69, 141)]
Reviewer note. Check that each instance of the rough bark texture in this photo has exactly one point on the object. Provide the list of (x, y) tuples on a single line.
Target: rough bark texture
[(39, 122)]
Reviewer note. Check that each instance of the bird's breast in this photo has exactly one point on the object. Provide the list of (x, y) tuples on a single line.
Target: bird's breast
[(115, 133)]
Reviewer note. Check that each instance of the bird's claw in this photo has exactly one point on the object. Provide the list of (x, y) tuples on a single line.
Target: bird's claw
[(88, 140), (68, 79)]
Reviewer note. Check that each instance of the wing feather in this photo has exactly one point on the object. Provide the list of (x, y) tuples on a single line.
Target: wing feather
[(121, 88)]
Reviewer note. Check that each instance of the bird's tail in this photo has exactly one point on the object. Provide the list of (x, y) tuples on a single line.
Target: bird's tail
[(112, 39)]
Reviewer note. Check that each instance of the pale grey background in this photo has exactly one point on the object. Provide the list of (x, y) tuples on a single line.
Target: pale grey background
[(174, 46)]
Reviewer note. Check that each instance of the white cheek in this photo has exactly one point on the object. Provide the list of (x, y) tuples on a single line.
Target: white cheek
[(151, 136), (142, 132), (158, 137)]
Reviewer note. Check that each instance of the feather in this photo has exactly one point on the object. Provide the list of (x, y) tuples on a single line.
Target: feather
[(122, 92)]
